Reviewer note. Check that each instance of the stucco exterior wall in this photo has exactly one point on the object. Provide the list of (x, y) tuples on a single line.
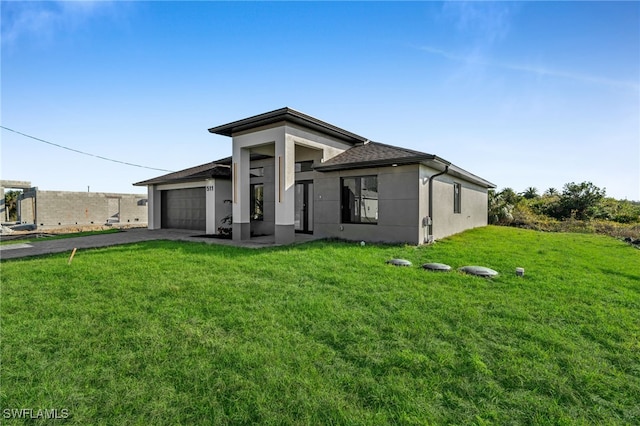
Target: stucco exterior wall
[(423, 208), (328, 147), (52, 209), (403, 200), (403, 206), (154, 207), (284, 142), (473, 205), (398, 206)]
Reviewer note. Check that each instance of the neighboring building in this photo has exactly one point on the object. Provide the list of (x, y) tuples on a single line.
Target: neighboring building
[(11, 184), (290, 173), (55, 209)]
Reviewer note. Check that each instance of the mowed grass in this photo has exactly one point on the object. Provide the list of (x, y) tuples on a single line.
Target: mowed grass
[(327, 333), (51, 237)]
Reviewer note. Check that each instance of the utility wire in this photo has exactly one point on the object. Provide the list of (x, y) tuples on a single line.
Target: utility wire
[(82, 152)]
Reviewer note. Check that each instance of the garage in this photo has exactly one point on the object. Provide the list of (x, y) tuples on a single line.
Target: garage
[(184, 209)]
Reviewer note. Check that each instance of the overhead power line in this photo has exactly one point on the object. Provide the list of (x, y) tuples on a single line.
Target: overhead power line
[(82, 152)]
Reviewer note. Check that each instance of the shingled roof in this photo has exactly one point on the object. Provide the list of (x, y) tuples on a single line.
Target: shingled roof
[(374, 154), (220, 169)]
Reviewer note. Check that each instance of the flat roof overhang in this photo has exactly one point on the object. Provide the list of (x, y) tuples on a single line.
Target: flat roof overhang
[(291, 116)]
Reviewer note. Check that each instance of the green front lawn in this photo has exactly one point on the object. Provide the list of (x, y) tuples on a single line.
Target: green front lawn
[(49, 237), (327, 333)]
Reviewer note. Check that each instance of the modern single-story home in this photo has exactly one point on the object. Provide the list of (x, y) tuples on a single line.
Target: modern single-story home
[(292, 173)]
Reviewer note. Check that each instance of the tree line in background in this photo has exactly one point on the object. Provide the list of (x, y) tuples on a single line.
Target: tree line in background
[(579, 207)]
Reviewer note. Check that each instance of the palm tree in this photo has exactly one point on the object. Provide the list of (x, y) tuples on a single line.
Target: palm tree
[(11, 205), (501, 206), (530, 193)]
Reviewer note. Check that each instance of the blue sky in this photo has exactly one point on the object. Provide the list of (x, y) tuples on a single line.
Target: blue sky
[(523, 94)]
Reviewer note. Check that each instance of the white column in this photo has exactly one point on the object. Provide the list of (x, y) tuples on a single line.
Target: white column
[(285, 190), (240, 180), (210, 207), (154, 207)]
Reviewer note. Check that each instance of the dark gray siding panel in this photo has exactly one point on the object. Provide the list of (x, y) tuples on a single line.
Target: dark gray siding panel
[(184, 209)]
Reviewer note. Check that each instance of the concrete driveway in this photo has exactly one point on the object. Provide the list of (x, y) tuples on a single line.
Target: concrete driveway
[(37, 248)]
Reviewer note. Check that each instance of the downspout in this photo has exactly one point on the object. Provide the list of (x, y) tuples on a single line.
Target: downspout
[(429, 238)]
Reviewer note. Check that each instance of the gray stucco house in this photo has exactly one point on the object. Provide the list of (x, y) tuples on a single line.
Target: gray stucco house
[(290, 172)]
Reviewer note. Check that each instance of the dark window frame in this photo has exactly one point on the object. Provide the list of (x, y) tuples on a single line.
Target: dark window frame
[(457, 198), (257, 205), (255, 172), (303, 166), (354, 216)]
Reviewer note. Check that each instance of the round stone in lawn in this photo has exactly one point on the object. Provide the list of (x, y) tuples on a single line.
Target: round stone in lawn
[(479, 271), (399, 262), (436, 267)]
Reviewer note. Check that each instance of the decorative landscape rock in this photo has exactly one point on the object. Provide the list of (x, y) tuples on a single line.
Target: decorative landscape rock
[(436, 267), (399, 262), (479, 271)]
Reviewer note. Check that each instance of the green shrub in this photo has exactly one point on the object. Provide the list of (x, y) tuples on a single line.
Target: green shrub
[(580, 200), (579, 208), (616, 229)]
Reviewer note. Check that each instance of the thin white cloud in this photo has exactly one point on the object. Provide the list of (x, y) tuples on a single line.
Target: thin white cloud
[(452, 56), (584, 78), (540, 71), (487, 22), (42, 20)]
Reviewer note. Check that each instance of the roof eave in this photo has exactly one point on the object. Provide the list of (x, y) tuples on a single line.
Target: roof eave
[(193, 177), (426, 160), (457, 171), (374, 163), (164, 181), (288, 115)]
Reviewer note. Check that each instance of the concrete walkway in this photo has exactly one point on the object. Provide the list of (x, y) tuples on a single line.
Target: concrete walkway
[(37, 248)]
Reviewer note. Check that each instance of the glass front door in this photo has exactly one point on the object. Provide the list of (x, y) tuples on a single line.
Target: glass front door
[(303, 218)]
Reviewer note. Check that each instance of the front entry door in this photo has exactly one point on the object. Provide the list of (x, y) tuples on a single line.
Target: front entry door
[(303, 220)]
